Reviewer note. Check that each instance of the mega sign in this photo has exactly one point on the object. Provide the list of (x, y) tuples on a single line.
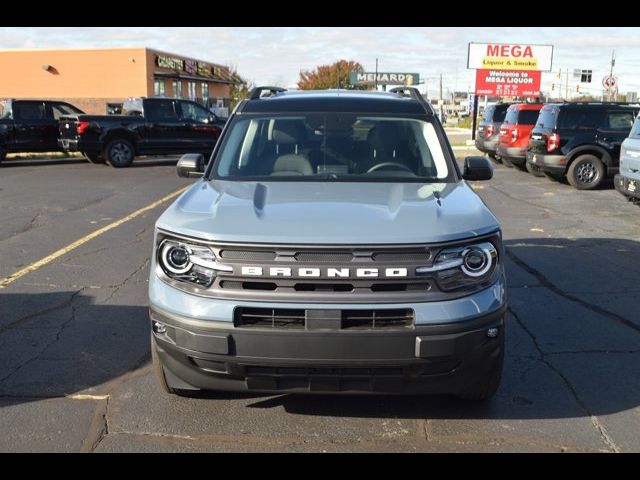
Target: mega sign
[(169, 62), (508, 83), (386, 78), (510, 56)]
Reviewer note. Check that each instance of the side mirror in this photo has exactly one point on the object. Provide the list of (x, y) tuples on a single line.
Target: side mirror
[(191, 165), (477, 168)]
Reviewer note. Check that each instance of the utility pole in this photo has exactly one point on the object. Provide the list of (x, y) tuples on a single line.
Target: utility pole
[(376, 74), (613, 62), (441, 100)]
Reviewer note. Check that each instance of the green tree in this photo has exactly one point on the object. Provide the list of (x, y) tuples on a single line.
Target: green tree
[(240, 87), (335, 75)]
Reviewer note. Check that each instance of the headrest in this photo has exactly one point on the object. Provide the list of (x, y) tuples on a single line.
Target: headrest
[(383, 136), (288, 132), (292, 165)]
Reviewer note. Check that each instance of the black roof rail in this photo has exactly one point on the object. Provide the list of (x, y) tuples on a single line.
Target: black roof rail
[(257, 91), (416, 95)]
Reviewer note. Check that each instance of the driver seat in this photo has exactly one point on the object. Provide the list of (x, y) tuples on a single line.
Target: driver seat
[(382, 143)]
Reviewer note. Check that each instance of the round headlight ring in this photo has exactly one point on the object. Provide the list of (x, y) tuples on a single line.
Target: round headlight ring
[(470, 257), (170, 253)]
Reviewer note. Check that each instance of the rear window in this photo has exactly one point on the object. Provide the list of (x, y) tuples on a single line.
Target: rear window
[(528, 117), (522, 117), (495, 113), (547, 118)]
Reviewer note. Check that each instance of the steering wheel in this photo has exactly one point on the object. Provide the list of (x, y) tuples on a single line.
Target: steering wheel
[(389, 164)]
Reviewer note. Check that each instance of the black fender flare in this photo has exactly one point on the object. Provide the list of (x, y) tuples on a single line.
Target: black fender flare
[(596, 150)]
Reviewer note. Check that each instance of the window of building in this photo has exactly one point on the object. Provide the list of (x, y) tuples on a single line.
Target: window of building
[(193, 89), (177, 88), (159, 86), (205, 90)]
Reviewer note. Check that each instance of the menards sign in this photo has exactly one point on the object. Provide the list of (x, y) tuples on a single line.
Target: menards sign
[(383, 78), (510, 56)]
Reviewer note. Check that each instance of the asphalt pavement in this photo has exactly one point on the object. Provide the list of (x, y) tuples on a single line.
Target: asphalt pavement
[(75, 370)]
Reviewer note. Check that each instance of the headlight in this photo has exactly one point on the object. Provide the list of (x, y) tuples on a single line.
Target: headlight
[(463, 266), (188, 262)]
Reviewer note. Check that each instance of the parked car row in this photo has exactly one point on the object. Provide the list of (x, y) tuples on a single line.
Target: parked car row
[(147, 126), (576, 140)]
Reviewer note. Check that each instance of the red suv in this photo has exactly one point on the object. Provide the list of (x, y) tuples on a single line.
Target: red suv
[(515, 131)]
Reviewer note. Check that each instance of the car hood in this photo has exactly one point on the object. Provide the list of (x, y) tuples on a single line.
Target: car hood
[(329, 212)]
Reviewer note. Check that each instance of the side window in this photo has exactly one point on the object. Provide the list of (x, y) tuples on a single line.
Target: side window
[(161, 110), (619, 120), (577, 119), (194, 113), (5, 110), (29, 111), (60, 109)]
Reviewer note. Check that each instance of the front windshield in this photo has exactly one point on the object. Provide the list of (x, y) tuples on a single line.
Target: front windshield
[(335, 146)]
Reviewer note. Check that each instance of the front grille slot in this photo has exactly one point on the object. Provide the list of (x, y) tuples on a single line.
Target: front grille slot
[(323, 287), (325, 371), (396, 318), (263, 255), (270, 317), (249, 317), (403, 256), (324, 257)]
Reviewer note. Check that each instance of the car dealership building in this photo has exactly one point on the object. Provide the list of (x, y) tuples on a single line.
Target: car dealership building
[(97, 80)]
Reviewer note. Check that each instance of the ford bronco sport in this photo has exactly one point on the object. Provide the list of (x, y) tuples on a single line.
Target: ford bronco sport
[(331, 245)]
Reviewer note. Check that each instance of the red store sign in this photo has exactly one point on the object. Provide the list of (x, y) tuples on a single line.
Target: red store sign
[(508, 83)]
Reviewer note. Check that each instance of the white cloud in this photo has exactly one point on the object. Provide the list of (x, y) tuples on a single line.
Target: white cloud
[(267, 54)]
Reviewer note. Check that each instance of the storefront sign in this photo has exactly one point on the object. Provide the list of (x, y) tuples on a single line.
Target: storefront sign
[(191, 66), (508, 83), (384, 78), (169, 62), (204, 69), (510, 56)]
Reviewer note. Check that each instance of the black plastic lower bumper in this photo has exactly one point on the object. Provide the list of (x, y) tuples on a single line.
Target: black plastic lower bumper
[(627, 186), (426, 359)]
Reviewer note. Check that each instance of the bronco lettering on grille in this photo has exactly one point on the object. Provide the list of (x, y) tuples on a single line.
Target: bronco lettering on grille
[(314, 272)]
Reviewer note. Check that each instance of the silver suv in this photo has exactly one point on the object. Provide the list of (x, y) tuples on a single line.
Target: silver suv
[(627, 182), (331, 245)]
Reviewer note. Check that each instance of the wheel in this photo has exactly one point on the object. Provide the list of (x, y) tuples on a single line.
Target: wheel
[(93, 157), (3, 154), (494, 157), (556, 177), (119, 153), (533, 170), (586, 172), (487, 386), (158, 370), (506, 162)]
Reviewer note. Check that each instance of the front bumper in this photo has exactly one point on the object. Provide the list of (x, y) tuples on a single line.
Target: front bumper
[(446, 350), (548, 163), (629, 187)]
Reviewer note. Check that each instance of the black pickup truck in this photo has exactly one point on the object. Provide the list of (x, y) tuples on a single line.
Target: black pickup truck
[(31, 125), (147, 126)]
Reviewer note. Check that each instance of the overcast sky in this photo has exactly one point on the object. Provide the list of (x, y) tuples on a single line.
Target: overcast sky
[(268, 55)]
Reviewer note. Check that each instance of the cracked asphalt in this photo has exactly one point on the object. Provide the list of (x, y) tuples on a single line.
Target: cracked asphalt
[(75, 371)]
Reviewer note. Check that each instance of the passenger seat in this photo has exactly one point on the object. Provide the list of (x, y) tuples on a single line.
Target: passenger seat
[(288, 135)]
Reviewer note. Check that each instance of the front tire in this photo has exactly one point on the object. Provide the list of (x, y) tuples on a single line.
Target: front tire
[(586, 172), (506, 162), (533, 170), (119, 153)]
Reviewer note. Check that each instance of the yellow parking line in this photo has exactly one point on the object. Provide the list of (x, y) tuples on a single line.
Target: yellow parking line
[(58, 253)]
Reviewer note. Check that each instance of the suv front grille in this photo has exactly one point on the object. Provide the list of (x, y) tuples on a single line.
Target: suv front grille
[(293, 318)]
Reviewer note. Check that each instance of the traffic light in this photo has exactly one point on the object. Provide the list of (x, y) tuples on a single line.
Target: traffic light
[(553, 86), (578, 88)]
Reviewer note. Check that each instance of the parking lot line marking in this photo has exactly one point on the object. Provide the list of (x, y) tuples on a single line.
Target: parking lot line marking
[(58, 253)]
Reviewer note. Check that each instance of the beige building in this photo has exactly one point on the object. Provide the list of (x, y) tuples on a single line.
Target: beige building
[(93, 78)]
